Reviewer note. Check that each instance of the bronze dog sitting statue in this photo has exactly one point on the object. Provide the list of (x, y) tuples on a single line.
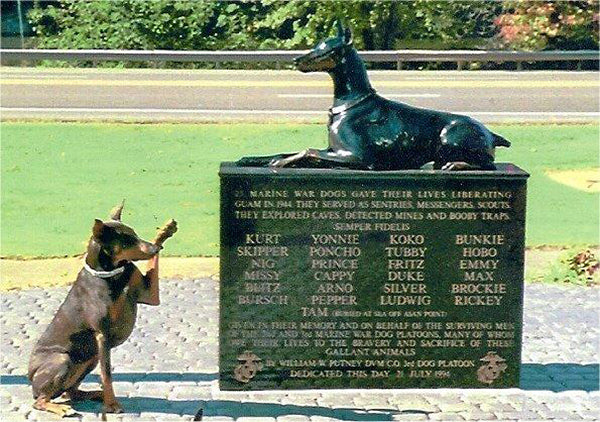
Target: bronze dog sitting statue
[(97, 315), (367, 131)]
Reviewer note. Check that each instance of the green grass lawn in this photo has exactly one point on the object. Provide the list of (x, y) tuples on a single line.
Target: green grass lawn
[(57, 177)]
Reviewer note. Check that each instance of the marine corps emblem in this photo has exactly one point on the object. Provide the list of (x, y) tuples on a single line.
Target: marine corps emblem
[(492, 368), (248, 367)]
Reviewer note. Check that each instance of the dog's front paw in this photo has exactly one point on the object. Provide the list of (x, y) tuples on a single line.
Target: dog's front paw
[(166, 231), (457, 166), (278, 163), (113, 407), (286, 161)]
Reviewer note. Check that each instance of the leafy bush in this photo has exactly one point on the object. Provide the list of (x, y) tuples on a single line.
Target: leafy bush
[(582, 268), (299, 24), (554, 25), (133, 24)]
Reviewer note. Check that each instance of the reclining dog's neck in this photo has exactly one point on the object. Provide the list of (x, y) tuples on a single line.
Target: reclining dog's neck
[(350, 80)]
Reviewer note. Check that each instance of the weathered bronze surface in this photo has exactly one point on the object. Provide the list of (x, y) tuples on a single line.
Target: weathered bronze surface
[(367, 131), (363, 279)]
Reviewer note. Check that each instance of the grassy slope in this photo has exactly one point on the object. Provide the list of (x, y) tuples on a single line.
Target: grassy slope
[(556, 214), (57, 177)]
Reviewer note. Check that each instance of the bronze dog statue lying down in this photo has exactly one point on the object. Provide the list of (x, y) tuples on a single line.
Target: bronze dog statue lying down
[(367, 131)]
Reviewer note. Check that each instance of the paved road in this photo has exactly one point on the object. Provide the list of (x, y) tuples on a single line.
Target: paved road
[(167, 95), (168, 368)]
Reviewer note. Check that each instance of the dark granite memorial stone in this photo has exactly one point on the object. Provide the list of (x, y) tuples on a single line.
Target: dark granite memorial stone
[(361, 279)]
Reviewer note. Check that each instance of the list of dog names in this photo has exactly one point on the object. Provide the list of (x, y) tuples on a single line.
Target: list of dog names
[(349, 283)]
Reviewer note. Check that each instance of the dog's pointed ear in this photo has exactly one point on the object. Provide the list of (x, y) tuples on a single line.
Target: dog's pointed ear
[(98, 229), (340, 28), (115, 213), (347, 36)]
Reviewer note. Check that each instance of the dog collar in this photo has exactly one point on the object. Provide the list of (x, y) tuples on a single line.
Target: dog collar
[(341, 108), (101, 274)]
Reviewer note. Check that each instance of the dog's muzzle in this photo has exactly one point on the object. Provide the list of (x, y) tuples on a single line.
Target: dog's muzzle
[(150, 248), (312, 63)]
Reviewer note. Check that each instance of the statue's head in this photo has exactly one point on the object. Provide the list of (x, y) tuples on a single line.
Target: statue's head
[(327, 54)]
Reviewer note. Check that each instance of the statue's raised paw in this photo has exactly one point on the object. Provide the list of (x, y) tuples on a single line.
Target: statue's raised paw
[(166, 231)]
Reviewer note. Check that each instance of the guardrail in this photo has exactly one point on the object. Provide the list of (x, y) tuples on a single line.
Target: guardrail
[(394, 56)]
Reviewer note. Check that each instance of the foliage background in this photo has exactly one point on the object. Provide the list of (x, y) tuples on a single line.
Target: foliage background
[(273, 24), (186, 24)]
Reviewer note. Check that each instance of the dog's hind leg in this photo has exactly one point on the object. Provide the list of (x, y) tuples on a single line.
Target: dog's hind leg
[(43, 403), (74, 393), (455, 158), (48, 381), (465, 146)]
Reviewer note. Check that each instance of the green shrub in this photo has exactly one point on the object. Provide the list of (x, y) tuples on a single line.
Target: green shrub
[(581, 268)]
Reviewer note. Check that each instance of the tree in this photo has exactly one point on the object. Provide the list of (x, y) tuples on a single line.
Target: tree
[(554, 25), (377, 25), (187, 24), (134, 24)]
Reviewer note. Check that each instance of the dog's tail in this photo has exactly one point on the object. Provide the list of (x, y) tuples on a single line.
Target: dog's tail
[(259, 161), (499, 141)]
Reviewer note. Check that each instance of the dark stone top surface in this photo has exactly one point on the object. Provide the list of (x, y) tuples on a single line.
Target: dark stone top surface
[(503, 171)]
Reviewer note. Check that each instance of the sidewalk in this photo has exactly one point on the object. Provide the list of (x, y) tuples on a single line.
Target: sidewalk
[(168, 368)]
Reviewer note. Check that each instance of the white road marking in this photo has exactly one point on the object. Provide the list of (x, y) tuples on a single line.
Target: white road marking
[(382, 94), (50, 76), (285, 112), (532, 113), (153, 110)]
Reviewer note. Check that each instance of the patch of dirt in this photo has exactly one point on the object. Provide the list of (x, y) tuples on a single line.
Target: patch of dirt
[(25, 274), (16, 274), (537, 261), (587, 180)]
